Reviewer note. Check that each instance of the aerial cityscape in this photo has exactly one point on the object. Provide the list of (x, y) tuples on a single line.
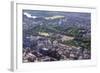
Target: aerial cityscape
[(55, 36)]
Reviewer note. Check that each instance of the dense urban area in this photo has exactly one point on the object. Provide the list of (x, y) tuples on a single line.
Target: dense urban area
[(56, 36)]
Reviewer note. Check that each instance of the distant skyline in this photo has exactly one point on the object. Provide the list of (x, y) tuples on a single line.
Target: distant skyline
[(52, 13)]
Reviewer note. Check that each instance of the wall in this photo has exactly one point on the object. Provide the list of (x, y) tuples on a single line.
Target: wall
[(5, 35)]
